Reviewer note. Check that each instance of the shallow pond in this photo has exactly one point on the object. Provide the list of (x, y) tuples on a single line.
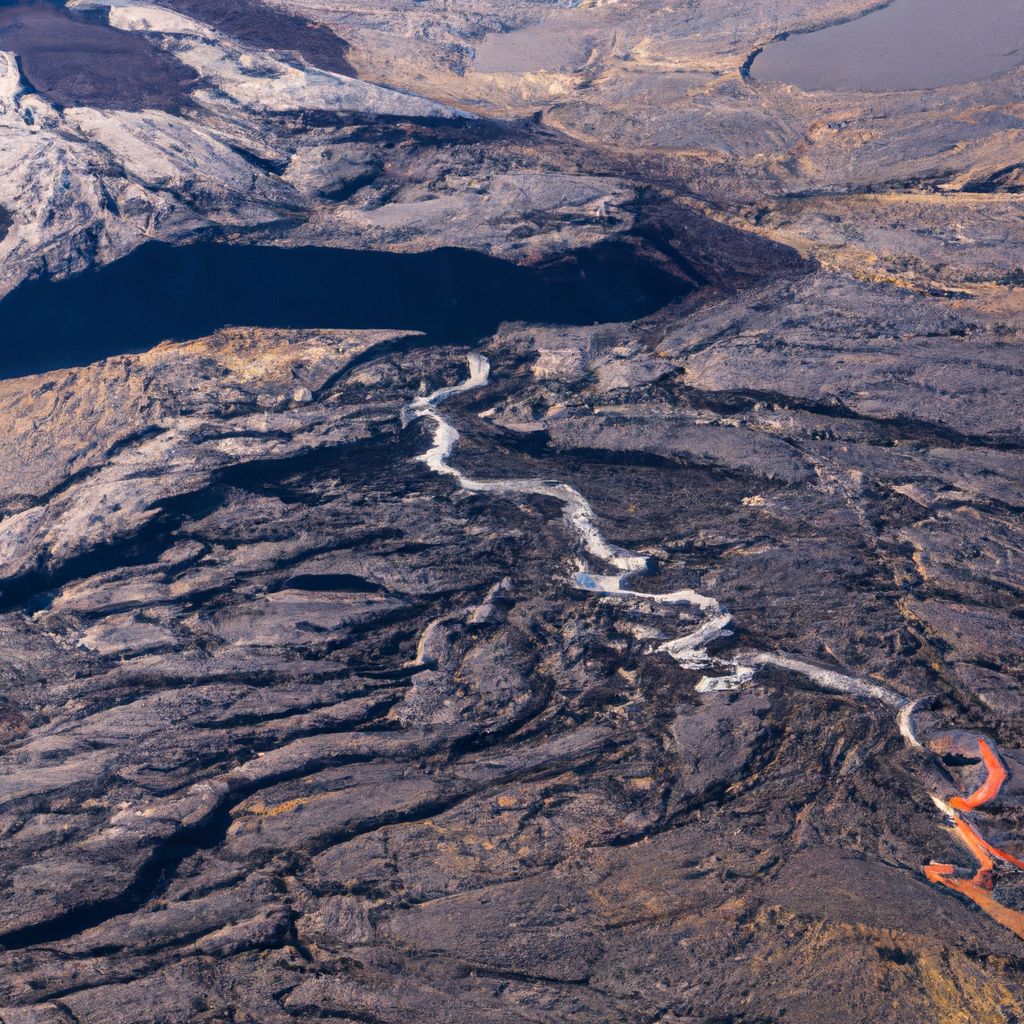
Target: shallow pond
[(911, 44)]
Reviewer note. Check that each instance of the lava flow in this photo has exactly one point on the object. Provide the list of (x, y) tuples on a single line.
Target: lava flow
[(978, 887)]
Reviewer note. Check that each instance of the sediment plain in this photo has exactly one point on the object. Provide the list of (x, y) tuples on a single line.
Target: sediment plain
[(308, 713)]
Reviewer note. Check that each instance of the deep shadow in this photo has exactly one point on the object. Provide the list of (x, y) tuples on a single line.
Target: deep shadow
[(163, 292)]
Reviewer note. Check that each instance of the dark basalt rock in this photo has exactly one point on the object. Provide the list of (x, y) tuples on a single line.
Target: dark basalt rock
[(76, 59), (237, 748), (266, 26)]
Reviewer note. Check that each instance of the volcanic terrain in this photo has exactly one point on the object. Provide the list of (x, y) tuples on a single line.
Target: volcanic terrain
[(507, 517)]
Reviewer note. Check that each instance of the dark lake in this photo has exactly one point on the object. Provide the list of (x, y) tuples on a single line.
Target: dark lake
[(163, 292), (911, 44)]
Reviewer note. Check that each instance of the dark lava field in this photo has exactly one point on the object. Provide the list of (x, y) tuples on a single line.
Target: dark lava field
[(511, 512)]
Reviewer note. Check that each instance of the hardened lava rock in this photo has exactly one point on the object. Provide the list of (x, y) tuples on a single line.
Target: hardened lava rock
[(297, 726)]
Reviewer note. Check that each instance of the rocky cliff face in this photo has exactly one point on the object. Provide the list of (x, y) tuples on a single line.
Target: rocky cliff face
[(632, 666)]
